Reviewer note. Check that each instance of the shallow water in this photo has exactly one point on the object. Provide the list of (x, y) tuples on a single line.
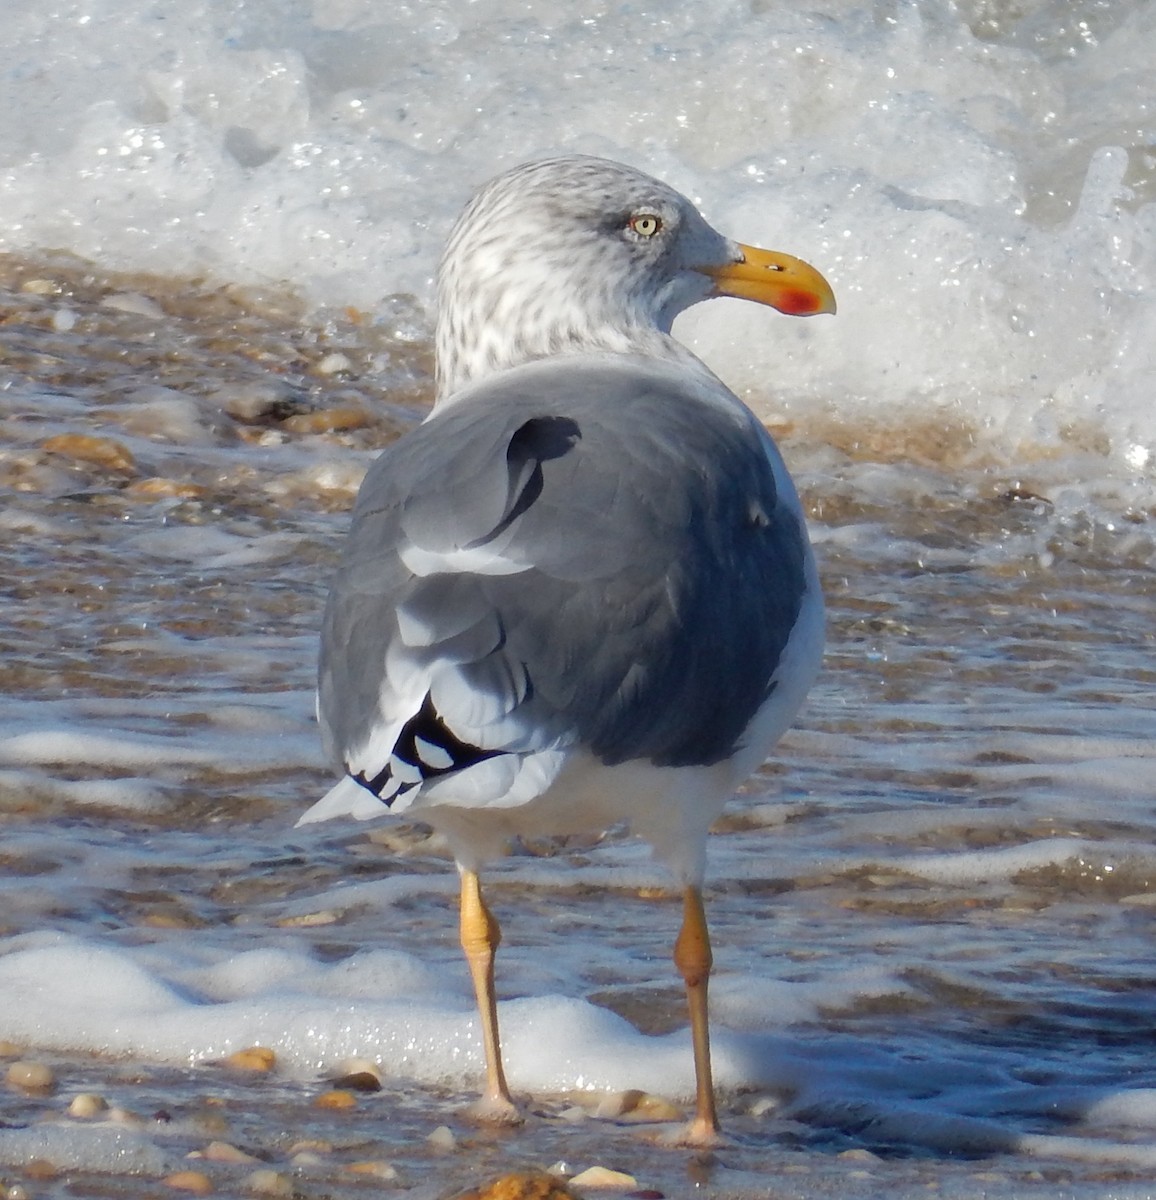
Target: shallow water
[(932, 911)]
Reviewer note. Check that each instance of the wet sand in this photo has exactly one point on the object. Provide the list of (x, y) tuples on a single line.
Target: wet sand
[(177, 461)]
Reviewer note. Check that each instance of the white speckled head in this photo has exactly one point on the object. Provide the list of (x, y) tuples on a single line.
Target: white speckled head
[(568, 255)]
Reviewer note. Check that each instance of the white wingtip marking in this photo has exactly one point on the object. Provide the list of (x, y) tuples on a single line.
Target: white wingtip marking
[(346, 799)]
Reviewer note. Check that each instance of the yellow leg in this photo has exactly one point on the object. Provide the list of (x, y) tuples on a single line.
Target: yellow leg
[(481, 937), (693, 959)]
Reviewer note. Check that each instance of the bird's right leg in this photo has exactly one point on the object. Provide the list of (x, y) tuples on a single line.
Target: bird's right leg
[(481, 936), (692, 956)]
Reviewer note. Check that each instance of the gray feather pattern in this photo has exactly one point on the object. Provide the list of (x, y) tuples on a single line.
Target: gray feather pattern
[(647, 531)]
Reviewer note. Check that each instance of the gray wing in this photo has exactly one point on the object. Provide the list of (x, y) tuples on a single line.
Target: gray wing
[(564, 559)]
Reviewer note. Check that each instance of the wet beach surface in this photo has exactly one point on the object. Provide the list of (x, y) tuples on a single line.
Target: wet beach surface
[(932, 911)]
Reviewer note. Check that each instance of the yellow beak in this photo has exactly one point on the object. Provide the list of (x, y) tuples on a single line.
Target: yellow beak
[(780, 280)]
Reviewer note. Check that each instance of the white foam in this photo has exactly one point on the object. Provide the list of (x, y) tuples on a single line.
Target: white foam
[(60, 746), (214, 549), (979, 199), (126, 795), (74, 1147)]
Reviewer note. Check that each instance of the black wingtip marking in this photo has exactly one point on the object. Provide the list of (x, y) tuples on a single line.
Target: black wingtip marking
[(428, 727)]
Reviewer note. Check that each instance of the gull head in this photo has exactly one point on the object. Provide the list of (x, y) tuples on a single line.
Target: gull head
[(576, 255)]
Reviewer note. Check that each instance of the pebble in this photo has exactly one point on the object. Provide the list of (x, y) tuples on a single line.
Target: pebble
[(635, 1105), (522, 1185), (309, 920), (307, 1159), (167, 415), (133, 302), (125, 1116), (337, 1098), (858, 1154), (225, 1152), (266, 1182), (381, 1171), (763, 1105), (30, 1076), (87, 1105), (196, 1182), (358, 1075), (84, 447), (331, 364), (604, 1177), (252, 1058), (313, 1146), (251, 403), (442, 1138), (63, 320), (328, 420)]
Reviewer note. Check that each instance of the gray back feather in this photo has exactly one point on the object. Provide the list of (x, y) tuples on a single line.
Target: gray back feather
[(649, 532)]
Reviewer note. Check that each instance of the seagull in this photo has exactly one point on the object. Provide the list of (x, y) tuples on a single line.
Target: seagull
[(581, 592)]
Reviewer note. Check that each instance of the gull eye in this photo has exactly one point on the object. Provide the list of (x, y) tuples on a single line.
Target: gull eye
[(645, 225)]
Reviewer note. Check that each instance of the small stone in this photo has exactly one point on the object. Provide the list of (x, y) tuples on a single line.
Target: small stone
[(858, 1154), (17, 1192), (637, 1105), (84, 447), (611, 1105), (164, 489), (266, 1182), (604, 1177), (328, 420), (442, 1138), (10, 1050), (64, 320), (87, 1105), (125, 1116), (196, 1182), (337, 1098), (40, 287), (331, 364), (648, 1107), (225, 1152), (259, 401), (135, 303), (252, 1058), (311, 1146), (761, 1106), (521, 1185), (309, 920), (307, 1159), (358, 1075), (31, 1076), (382, 1171)]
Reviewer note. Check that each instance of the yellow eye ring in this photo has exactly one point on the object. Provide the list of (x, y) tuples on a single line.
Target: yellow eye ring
[(645, 225)]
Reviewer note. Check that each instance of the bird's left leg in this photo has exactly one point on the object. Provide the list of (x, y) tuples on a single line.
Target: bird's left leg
[(480, 937), (692, 957)]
